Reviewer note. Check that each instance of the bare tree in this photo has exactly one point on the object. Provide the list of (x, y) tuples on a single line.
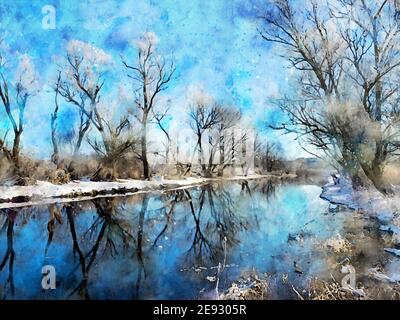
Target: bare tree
[(218, 125), (269, 158), (14, 97), (159, 118), (82, 84), (79, 100), (346, 55), (225, 140), (53, 123), (117, 140), (230, 118), (203, 115), (150, 75), (374, 43)]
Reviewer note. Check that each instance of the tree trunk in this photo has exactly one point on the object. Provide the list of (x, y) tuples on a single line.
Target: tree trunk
[(54, 156), (270, 165), (15, 149), (53, 123), (358, 180), (98, 123), (200, 159), (79, 141), (114, 170), (221, 156), (374, 173), (167, 151), (351, 168), (83, 128), (78, 144), (143, 142), (233, 156)]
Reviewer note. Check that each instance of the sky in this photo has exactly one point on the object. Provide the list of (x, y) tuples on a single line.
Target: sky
[(215, 45)]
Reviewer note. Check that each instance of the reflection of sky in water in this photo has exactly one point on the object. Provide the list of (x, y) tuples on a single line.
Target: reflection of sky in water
[(256, 226)]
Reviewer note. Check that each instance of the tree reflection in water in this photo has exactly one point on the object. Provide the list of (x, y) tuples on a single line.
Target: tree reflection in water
[(167, 210), (55, 215), (9, 256), (245, 188), (196, 226), (215, 219), (267, 188), (109, 228), (139, 244)]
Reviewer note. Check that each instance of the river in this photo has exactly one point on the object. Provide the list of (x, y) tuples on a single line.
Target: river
[(169, 245)]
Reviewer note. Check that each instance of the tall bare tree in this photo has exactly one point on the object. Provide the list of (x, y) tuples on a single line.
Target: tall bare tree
[(150, 75), (53, 123), (82, 83), (347, 57), (225, 138), (78, 99), (15, 96), (203, 116), (268, 156), (230, 118)]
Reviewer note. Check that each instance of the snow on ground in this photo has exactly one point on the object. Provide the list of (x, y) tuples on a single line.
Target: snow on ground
[(371, 202), (46, 192), (375, 205)]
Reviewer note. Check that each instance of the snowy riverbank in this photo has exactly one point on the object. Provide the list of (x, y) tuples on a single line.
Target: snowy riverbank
[(46, 192), (368, 201)]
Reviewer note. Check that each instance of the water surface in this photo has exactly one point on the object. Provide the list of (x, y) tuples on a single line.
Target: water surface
[(168, 246)]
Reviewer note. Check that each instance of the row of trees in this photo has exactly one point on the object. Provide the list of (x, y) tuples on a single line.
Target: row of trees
[(82, 83), (118, 127), (347, 57)]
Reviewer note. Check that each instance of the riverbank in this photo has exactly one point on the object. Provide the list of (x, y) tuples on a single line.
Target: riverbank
[(370, 202), (368, 244), (43, 192)]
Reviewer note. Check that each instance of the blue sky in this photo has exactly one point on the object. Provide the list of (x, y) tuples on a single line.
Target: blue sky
[(214, 44)]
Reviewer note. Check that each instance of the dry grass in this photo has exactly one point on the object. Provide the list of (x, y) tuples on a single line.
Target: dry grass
[(323, 290), (72, 168), (248, 288), (60, 177), (252, 287), (338, 244)]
